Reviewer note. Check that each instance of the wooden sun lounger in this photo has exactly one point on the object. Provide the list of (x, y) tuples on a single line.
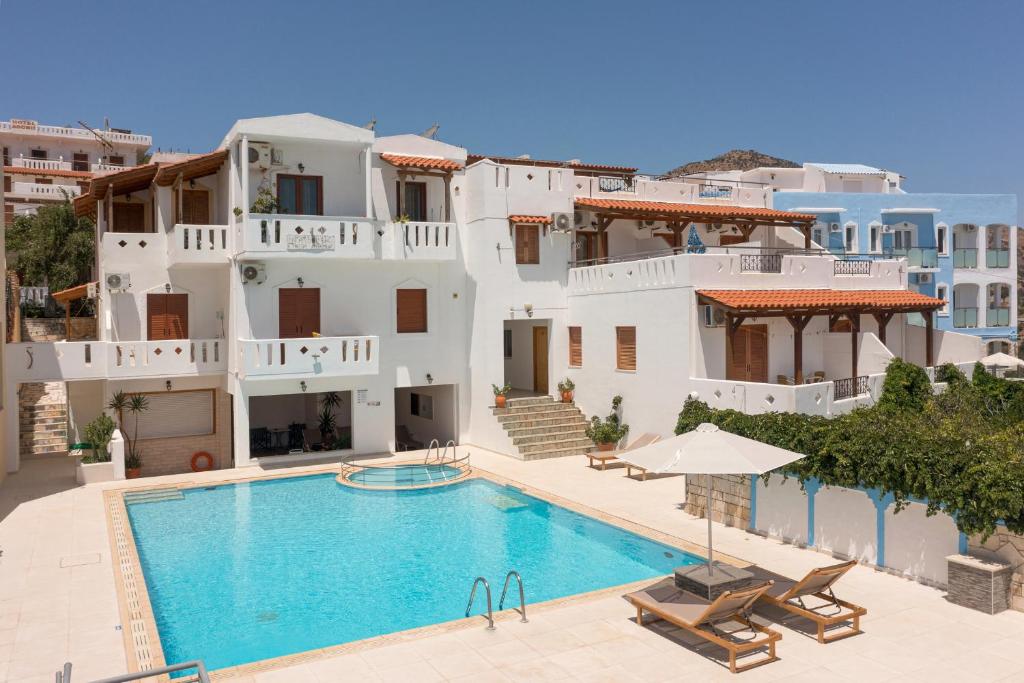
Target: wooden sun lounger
[(705, 619), (605, 457), (790, 595)]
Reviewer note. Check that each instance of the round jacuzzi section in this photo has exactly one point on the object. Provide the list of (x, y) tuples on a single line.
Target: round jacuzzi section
[(404, 475)]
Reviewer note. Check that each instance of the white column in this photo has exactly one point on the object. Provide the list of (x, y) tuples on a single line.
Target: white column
[(240, 403), (368, 166), (10, 442), (116, 448), (243, 169)]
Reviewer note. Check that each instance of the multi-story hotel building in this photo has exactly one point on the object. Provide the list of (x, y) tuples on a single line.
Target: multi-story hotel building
[(308, 266)]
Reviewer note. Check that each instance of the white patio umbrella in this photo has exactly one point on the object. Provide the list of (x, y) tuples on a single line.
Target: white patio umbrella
[(708, 450), (1002, 360)]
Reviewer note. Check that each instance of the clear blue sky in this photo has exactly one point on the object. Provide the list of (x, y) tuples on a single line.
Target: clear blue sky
[(933, 89)]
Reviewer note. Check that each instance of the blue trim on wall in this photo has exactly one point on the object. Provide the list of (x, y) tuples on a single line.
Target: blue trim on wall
[(882, 503), (753, 502), (811, 487), (962, 543)]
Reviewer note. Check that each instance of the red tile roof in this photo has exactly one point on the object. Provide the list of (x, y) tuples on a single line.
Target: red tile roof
[(526, 161), (519, 218), (56, 172), (804, 299), (432, 163), (715, 212)]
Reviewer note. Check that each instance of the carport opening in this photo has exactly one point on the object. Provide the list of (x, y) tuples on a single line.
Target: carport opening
[(423, 414), (300, 423)]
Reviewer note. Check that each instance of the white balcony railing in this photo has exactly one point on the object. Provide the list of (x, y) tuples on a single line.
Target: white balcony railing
[(33, 128), (126, 250), (107, 168), (309, 357), (41, 191), (758, 397), (42, 164), (54, 361), (428, 241), (339, 236), (199, 244)]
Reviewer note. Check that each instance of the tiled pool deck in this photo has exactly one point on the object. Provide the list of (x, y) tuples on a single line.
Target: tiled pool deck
[(58, 602)]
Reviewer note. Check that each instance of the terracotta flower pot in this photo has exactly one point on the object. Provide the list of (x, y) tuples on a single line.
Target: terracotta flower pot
[(606, 447), (499, 401), (566, 397), (133, 473)]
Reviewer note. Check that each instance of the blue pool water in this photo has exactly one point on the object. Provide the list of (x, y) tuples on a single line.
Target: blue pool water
[(404, 475), (248, 571)]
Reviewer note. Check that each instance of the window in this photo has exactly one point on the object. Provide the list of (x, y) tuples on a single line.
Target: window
[(850, 233), (300, 195), (421, 405), (411, 313), (44, 181), (115, 160), (415, 204), (902, 239), (818, 233), (7, 183), (178, 413), (7, 156), (508, 343), (80, 161), (940, 239), (625, 348), (942, 292), (528, 244), (38, 154), (575, 347), (586, 246), (873, 231)]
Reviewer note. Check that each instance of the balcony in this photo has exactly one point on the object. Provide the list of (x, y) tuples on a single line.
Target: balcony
[(924, 258), (199, 245), (308, 357), (336, 236), (45, 192), (102, 169), (997, 317), (965, 317), (45, 362), (33, 128), (121, 250), (997, 258), (422, 241), (965, 258), (42, 164)]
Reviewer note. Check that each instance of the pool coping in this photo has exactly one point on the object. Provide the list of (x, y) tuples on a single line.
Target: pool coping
[(143, 649)]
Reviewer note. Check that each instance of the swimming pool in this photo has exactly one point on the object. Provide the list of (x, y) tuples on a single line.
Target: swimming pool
[(249, 571), (404, 475)]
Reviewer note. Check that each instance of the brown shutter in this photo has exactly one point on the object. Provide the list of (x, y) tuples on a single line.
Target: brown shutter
[(411, 311), (575, 347), (129, 217), (758, 338), (527, 244), (625, 348), (156, 316), (298, 312), (195, 207), (736, 355), (167, 316)]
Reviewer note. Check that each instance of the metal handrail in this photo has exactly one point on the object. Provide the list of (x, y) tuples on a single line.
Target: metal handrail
[(522, 599), (203, 677), (472, 594), (461, 464), (434, 445), (450, 442)]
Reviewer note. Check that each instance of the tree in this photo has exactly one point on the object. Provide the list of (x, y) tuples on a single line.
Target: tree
[(53, 247)]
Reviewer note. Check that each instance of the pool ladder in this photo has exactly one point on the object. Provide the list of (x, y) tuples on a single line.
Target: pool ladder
[(439, 455), (501, 602)]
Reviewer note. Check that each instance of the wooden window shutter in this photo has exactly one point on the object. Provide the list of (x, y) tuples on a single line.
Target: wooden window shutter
[(575, 347), (167, 316), (527, 244), (625, 348), (156, 314), (411, 311)]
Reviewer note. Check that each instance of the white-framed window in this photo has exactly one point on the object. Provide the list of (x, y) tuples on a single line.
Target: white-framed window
[(902, 238), (942, 239), (942, 292), (875, 237), (850, 237), (819, 233)]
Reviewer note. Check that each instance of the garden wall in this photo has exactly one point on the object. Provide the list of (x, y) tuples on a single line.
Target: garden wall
[(52, 329), (730, 498), (1006, 547)]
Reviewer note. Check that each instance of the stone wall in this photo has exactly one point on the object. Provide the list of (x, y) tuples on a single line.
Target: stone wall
[(52, 329), (173, 455), (1006, 547), (730, 498)]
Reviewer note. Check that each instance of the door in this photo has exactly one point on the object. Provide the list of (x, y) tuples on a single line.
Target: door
[(540, 360), (167, 316), (298, 312), (747, 354), (415, 204), (300, 195), (195, 207), (129, 218)]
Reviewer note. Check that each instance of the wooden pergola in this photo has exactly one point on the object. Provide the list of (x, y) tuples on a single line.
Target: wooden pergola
[(798, 306), (65, 296), (678, 217), (411, 166)]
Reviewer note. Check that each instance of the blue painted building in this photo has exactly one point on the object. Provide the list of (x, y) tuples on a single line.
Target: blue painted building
[(959, 247)]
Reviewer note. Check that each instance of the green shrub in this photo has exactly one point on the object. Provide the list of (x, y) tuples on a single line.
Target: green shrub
[(98, 433), (610, 429), (906, 387)]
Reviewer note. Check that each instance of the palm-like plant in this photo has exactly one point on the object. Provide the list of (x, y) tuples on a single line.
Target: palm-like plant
[(135, 404)]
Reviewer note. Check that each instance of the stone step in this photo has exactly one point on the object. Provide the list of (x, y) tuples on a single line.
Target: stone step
[(530, 401), (515, 429), (551, 435), (543, 421), (556, 453), (506, 414), (556, 444)]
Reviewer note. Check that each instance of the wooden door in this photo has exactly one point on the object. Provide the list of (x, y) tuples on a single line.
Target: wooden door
[(298, 312), (747, 354), (195, 207), (129, 218), (540, 360), (167, 316)]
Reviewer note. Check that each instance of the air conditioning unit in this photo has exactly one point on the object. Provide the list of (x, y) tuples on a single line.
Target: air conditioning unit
[(924, 278), (118, 282), (562, 222), (712, 316), (256, 273), (276, 157), (834, 227), (259, 155), (970, 228), (579, 219), (90, 290), (886, 228)]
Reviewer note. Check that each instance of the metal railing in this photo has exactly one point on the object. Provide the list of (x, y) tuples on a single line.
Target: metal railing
[(997, 258), (965, 258), (64, 675), (616, 183), (851, 267), (522, 598), (761, 263), (439, 455), (408, 474), (714, 191), (997, 317), (965, 317), (472, 594), (917, 257), (698, 249), (848, 387)]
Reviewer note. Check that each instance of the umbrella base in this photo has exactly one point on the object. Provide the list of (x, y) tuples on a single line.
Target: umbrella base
[(698, 580)]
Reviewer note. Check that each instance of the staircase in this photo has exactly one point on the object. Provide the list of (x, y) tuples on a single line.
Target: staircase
[(540, 428), (42, 419)]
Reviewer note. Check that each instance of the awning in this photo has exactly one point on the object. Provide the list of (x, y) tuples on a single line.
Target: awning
[(769, 302), (424, 163), (698, 213), (538, 220), (72, 293), (122, 182), (190, 169)]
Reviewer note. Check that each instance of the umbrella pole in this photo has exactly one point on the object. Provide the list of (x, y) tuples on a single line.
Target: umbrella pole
[(707, 511)]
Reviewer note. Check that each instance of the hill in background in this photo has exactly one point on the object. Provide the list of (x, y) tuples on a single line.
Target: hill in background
[(733, 160)]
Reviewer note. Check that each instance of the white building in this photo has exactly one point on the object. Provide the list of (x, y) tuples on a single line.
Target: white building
[(43, 164), (308, 263)]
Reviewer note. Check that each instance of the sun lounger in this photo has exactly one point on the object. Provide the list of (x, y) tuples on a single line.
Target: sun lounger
[(793, 596), (605, 457), (711, 621)]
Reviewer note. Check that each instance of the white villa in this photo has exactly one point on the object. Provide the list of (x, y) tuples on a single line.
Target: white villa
[(395, 279), (42, 164)]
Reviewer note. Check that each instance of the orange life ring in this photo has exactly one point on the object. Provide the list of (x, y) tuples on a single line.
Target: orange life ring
[(199, 455)]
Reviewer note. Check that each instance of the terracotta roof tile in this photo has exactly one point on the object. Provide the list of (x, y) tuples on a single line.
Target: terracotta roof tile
[(520, 218), (526, 161), (405, 161), (56, 172), (802, 299), (712, 211)]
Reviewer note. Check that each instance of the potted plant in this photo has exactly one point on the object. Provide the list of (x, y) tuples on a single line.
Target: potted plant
[(500, 393), (402, 218), (566, 388), (609, 431), (265, 202), (95, 464), (135, 404)]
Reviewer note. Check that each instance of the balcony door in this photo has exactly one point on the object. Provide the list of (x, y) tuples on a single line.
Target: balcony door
[(298, 312), (747, 354), (129, 217), (415, 204), (195, 207), (300, 195), (167, 316)]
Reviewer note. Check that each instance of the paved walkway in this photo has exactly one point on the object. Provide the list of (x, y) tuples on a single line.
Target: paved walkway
[(58, 603)]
